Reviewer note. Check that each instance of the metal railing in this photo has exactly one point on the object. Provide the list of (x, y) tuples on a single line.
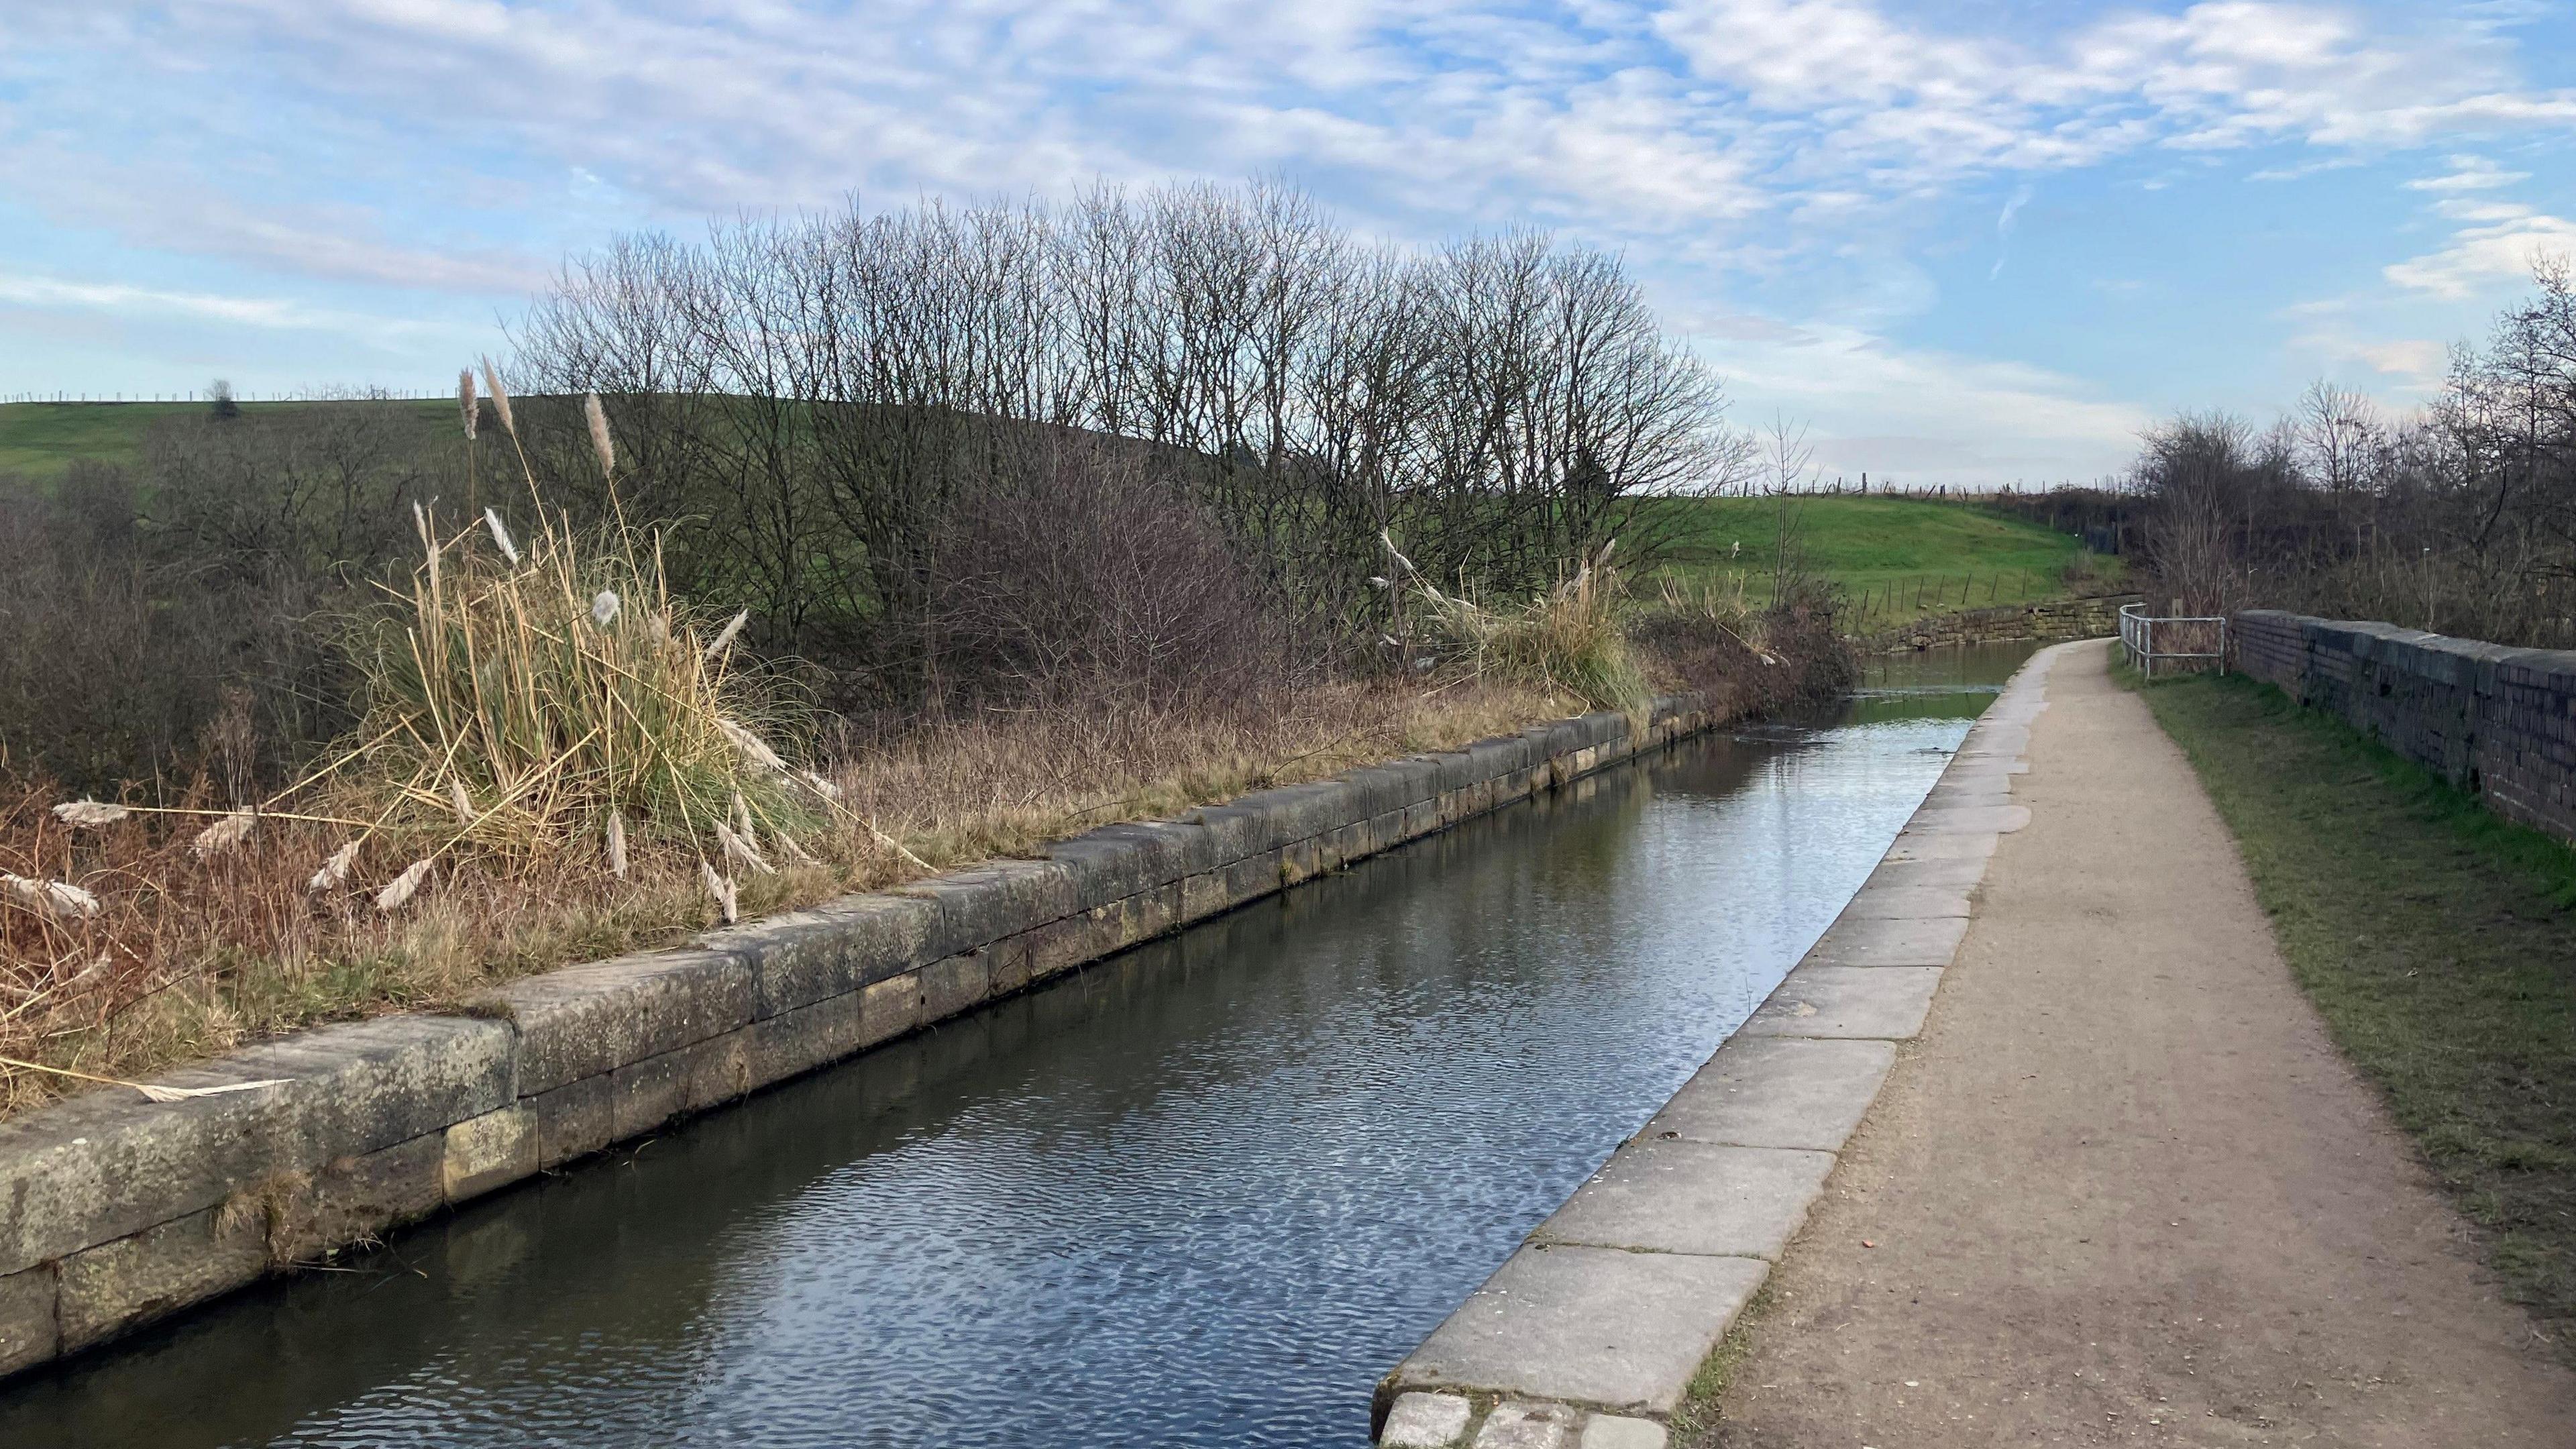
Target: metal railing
[(2184, 641)]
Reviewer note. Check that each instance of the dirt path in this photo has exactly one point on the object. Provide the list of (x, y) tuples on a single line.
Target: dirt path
[(2124, 1190)]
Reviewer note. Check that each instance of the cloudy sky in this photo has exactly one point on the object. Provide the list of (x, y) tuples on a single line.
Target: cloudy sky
[(1977, 240)]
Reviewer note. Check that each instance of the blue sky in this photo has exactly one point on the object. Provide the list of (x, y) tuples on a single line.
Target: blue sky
[(1977, 241)]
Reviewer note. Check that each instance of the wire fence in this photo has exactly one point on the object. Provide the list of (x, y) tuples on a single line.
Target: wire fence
[(1896, 600)]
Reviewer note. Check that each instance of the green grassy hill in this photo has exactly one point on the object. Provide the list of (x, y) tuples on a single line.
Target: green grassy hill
[(40, 440), (1895, 558)]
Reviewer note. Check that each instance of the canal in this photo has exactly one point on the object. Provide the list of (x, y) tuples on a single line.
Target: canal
[(1200, 1194)]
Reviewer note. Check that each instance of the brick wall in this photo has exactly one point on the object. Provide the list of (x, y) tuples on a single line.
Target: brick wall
[(2499, 721)]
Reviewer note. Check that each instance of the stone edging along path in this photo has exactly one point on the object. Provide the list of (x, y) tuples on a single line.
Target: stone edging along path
[(1591, 1332), (116, 1211)]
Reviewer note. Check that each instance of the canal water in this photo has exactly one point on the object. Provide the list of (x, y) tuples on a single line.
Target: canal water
[(1201, 1194)]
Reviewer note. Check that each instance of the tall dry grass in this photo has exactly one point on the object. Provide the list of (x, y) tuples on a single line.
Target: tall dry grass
[(1565, 640), (192, 954)]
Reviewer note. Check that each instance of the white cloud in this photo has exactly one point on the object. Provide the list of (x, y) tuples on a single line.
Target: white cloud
[(2468, 173), (2503, 246), (265, 313), (2414, 359), (1928, 416)]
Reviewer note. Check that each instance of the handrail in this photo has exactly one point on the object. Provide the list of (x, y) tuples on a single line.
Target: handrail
[(2138, 639)]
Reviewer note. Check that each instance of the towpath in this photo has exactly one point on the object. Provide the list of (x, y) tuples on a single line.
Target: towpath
[(2123, 1189)]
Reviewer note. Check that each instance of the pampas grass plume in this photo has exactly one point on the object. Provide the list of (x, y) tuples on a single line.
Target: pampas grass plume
[(335, 871), (603, 608), (463, 802), (465, 402), (403, 887), (720, 888), (57, 898), (89, 814), (500, 397), (737, 848), (223, 835), (751, 745), (617, 843), (501, 536), (725, 635), (600, 442)]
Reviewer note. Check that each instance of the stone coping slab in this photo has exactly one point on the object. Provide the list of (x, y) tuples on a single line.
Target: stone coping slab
[(1886, 1003), (1592, 1326), (1673, 1196), (1777, 1091), (115, 1211), (1878, 938), (1585, 1314)]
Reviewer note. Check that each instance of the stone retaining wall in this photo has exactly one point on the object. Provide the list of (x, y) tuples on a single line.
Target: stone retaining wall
[(2494, 720), (1591, 1332), (116, 1211), (2049, 621)]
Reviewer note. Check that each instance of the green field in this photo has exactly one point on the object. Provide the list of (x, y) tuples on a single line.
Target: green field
[(40, 440), (1895, 558)]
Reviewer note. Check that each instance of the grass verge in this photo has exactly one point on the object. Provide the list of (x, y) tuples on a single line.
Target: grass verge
[(2438, 940), (1695, 1423)]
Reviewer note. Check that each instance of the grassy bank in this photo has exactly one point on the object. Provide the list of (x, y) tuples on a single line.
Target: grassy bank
[(1895, 559), (2439, 942)]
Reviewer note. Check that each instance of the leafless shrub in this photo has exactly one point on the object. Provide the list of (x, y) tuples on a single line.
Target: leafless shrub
[(1082, 576)]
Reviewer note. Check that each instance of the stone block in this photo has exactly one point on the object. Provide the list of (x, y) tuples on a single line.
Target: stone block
[(1935, 845), (1252, 878), (1343, 846), (1959, 874), (1777, 1092), (1598, 1326), (1148, 914), (585, 1020), (719, 1069), (580, 1118), (487, 1152), (1204, 895), (831, 950), (1906, 902), (118, 1286), (1615, 1431), (108, 1164), (1418, 1421), (889, 1009), (29, 1330), (1001, 898), (1300, 861), (1527, 1426), (1885, 1002), (798, 1041), (952, 985), (1660, 1196), (646, 1094), (1420, 819), (1969, 819), (1883, 941), (1237, 829), (354, 1199)]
